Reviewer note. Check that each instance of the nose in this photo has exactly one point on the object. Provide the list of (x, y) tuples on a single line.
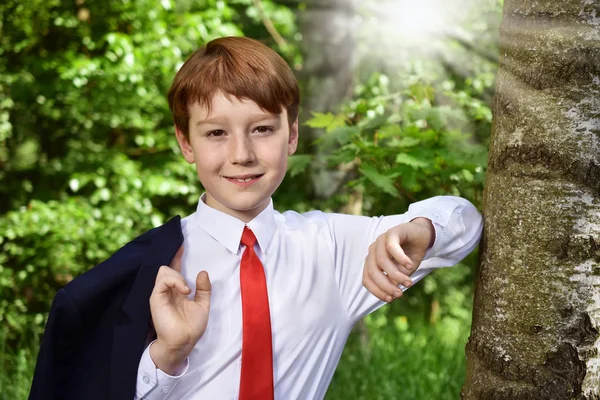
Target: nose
[(241, 150)]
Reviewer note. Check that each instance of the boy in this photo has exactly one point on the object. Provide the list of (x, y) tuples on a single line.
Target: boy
[(255, 304)]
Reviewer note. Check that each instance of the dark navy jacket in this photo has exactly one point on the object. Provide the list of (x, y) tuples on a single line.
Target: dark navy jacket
[(98, 323)]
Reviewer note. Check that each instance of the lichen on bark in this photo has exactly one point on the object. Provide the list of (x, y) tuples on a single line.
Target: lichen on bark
[(536, 318)]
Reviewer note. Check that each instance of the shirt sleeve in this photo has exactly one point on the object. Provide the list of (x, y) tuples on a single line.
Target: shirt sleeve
[(152, 383), (458, 226)]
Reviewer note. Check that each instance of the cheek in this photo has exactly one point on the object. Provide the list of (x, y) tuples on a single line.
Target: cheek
[(207, 160), (274, 152)]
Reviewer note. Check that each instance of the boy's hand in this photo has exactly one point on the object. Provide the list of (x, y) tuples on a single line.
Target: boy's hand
[(178, 321), (394, 256)]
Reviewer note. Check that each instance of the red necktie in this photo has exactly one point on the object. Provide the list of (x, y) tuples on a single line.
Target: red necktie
[(256, 381)]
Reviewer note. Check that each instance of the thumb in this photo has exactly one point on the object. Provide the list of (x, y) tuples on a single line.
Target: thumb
[(203, 289), (402, 236), (396, 245)]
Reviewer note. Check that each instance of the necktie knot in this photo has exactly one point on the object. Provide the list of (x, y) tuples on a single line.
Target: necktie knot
[(248, 238)]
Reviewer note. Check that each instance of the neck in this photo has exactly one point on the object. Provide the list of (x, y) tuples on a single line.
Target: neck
[(243, 215)]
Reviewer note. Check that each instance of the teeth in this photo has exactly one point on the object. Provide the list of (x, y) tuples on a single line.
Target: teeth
[(244, 180)]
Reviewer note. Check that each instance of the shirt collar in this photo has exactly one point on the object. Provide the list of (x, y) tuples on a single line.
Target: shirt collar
[(227, 229)]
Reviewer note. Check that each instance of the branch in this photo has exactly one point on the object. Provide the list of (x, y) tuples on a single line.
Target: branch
[(489, 56), (269, 25), (137, 152)]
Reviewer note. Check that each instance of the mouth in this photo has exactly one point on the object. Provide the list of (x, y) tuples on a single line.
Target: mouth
[(243, 180)]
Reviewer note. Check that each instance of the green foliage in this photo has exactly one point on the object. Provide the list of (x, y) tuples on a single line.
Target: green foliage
[(297, 163), (327, 121), (16, 368), (404, 145), (389, 357), (88, 160)]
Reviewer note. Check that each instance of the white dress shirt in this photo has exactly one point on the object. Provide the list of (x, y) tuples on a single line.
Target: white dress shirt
[(314, 266)]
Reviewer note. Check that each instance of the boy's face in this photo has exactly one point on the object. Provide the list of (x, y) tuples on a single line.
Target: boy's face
[(240, 152)]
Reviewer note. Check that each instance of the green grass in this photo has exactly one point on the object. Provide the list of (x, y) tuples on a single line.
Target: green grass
[(399, 361), (390, 359)]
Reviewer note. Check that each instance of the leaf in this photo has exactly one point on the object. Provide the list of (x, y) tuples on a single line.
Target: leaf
[(383, 182), (407, 142), (343, 155), (436, 118), (327, 121), (421, 92), (297, 163), (344, 134), (468, 175), (412, 161), (390, 131), (373, 123), (339, 136)]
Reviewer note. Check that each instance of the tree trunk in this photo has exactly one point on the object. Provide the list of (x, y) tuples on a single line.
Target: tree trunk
[(328, 44), (536, 319)]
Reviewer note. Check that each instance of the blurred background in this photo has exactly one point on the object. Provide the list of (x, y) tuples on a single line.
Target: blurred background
[(396, 108)]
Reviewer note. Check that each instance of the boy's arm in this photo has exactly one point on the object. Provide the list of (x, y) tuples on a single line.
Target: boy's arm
[(395, 256), (152, 382), (457, 225), (179, 323)]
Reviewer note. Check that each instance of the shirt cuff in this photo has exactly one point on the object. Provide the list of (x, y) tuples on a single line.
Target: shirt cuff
[(152, 383), (449, 222), (458, 227), (438, 210)]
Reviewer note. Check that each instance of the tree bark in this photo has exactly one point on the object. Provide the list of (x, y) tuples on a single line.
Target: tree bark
[(536, 318)]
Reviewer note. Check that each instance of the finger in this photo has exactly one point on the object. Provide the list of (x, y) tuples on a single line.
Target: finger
[(168, 279), (394, 282), (416, 262), (390, 266), (203, 289), (176, 261), (374, 289), (379, 278), (394, 248)]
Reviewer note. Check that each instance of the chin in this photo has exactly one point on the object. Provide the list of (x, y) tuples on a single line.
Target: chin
[(248, 205)]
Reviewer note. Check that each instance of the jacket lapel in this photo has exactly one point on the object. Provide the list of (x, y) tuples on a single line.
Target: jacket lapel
[(130, 332)]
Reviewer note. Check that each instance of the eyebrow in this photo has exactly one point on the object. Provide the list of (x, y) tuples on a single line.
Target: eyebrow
[(253, 119)]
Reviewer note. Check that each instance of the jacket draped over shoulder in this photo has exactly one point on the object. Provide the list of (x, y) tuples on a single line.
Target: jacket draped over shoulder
[(98, 323)]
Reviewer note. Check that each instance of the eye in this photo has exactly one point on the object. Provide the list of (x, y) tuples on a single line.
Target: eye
[(215, 133), (264, 129)]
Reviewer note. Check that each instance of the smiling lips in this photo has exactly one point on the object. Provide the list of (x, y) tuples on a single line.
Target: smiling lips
[(243, 180)]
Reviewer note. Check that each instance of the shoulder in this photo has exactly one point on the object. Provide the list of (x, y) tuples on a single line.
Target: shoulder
[(323, 220), (189, 224), (123, 265), (298, 221)]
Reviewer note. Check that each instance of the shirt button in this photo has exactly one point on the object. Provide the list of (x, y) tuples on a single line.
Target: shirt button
[(165, 389), (146, 379)]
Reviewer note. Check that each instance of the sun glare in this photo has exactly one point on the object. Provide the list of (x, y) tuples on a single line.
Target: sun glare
[(414, 20)]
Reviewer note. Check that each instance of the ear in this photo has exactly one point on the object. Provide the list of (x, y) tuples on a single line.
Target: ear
[(185, 146), (293, 140)]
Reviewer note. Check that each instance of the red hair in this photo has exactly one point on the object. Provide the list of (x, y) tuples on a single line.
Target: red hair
[(237, 66)]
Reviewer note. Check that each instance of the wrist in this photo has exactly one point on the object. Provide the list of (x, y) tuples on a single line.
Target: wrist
[(428, 225), (169, 361)]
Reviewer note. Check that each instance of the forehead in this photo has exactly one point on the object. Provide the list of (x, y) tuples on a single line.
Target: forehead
[(227, 107)]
